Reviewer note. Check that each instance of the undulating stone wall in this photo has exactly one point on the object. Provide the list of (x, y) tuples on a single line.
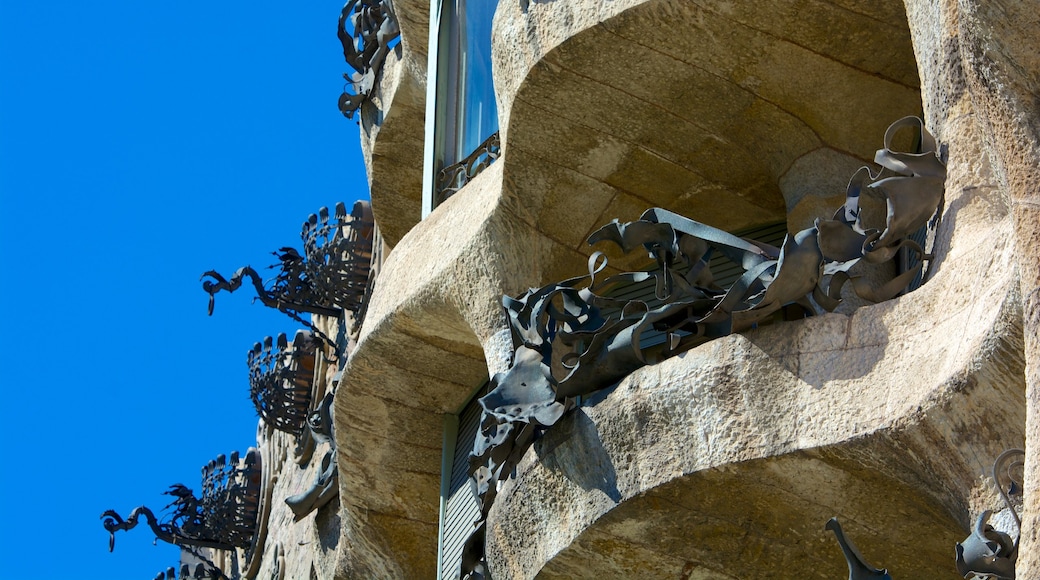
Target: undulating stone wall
[(741, 113)]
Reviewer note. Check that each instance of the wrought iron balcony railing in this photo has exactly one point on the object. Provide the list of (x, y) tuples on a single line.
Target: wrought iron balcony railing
[(331, 275), (987, 552), (326, 482), (453, 177), (281, 377), (224, 518), (200, 572), (859, 568), (372, 29), (572, 339)]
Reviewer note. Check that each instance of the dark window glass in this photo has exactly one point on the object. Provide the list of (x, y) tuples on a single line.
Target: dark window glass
[(469, 93)]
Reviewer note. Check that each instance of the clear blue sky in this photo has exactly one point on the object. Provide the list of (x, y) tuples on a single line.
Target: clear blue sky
[(140, 145)]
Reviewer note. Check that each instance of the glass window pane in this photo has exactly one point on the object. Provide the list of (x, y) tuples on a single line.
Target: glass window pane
[(476, 116), (469, 94)]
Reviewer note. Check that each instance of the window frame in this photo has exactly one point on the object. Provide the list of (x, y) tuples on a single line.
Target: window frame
[(439, 133)]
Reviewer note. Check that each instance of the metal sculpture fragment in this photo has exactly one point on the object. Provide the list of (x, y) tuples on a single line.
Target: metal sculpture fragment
[(326, 483), (987, 552), (201, 572), (859, 569), (373, 27), (281, 379), (224, 517), (331, 275), (453, 177), (572, 338)]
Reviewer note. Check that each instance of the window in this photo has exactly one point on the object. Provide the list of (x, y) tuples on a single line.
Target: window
[(461, 115), (460, 508)]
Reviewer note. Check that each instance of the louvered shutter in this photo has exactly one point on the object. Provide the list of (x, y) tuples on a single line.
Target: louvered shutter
[(460, 507)]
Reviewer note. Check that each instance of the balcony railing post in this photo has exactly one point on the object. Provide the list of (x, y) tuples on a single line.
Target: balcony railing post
[(281, 378), (329, 277), (223, 518)]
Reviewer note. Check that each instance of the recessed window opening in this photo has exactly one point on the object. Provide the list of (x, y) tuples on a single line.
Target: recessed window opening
[(471, 112), (464, 110)]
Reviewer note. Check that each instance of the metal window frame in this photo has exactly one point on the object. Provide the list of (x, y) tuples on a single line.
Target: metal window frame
[(434, 144)]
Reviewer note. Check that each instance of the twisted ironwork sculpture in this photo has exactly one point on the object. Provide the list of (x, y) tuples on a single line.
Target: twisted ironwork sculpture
[(326, 482), (373, 27), (453, 177), (224, 517), (988, 553), (281, 379), (330, 276), (201, 572), (596, 339), (859, 569)]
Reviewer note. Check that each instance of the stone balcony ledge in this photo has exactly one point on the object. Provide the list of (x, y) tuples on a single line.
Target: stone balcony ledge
[(726, 461), (392, 137)]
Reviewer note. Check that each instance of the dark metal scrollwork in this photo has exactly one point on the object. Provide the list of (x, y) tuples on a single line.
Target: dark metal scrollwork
[(859, 569), (281, 379), (572, 339), (224, 517), (373, 26), (331, 275), (453, 177), (988, 553), (201, 572), (326, 483)]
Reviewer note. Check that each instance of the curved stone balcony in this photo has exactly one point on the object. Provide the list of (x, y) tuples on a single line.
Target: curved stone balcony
[(726, 461), (734, 119), (733, 114), (392, 126)]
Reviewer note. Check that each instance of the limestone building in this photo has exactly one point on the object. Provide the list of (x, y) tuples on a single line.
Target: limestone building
[(499, 138)]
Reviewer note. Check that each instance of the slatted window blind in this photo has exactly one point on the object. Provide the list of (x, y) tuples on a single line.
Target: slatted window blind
[(459, 504)]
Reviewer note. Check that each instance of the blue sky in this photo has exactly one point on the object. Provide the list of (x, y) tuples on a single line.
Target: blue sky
[(140, 145)]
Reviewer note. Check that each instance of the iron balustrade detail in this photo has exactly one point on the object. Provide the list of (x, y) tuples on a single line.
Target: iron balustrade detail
[(453, 177), (281, 378), (224, 518), (200, 572), (375, 264), (326, 482), (597, 338), (331, 275), (988, 553), (859, 569), (373, 27)]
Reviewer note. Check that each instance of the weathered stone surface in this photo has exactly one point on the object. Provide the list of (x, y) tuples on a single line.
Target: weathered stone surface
[(419, 356), (946, 362), (697, 107), (307, 548), (392, 142), (734, 114), (1000, 49), (414, 18), (747, 445), (725, 461)]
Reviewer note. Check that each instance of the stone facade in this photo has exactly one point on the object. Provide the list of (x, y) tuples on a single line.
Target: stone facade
[(724, 461)]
